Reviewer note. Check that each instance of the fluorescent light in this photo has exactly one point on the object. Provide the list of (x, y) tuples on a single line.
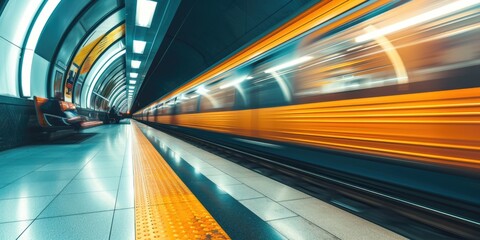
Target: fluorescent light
[(130, 90), (438, 12), (139, 46), (145, 12), (202, 90), (131, 87), (289, 64), (136, 64), (40, 22), (133, 75), (233, 83), (133, 81), (249, 77), (27, 60)]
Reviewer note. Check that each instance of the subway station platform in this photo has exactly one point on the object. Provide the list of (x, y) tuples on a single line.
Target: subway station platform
[(131, 181), (189, 119)]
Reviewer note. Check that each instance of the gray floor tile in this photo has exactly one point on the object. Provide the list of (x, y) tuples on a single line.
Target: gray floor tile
[(32, 189), (125, 199), (215, 161), (123, 225), (20, 166), (209, 171), (126, 183), (104, 165), (340, 223), (80, 203), (94, 226), (273, 189), (127, 172), (237, 171), (267, 209), (21, 152), (111, 155), (92, 185), (99, 173), (62, 166), (197, 163), (8, 169), (45, 176), (12, 176), (300, 229), (241, 192), (18, 209), (222, 180), (10, 231)]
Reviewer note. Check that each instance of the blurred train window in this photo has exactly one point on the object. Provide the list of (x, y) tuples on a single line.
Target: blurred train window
[(341, 65), (158, 109), (218, 99), (268, 93), (168, 107), (444, 48), (188, 105)]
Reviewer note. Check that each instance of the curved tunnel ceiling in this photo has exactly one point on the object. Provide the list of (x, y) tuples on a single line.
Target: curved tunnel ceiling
[(109, 84), (114, 53), (80, 46), (201, 35), (78, 57)]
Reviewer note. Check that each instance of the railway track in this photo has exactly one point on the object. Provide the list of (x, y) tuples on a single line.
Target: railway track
[(412, 215)]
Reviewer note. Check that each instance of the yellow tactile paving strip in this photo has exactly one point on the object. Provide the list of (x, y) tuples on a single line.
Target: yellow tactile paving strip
[(164, 206)]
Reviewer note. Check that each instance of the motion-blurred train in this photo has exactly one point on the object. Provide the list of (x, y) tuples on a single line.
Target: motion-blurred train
[(395, 79)]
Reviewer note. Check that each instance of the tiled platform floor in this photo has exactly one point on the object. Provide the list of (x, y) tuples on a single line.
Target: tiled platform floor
[(294, 214), (69, 189), (84, 190)]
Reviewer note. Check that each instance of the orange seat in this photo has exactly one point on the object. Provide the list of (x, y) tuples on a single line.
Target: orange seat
[(51, 115)]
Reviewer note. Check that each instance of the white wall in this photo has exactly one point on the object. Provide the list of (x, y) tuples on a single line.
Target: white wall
[(38, 85), (9, 56), (14, 23)]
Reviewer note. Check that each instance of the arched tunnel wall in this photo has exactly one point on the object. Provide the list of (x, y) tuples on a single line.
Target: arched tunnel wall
[(18, 119)]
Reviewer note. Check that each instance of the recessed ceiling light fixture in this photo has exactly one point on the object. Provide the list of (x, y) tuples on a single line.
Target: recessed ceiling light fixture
[(136, 64), (145, 12), (139, 46)]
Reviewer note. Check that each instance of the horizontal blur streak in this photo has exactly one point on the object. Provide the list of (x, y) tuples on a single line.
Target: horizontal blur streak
[(400, 84), (439, 127)]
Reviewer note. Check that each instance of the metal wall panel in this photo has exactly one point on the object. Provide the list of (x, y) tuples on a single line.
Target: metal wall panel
[(57, 25)]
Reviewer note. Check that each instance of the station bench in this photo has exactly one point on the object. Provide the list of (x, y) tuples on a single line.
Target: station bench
[(56, 115)]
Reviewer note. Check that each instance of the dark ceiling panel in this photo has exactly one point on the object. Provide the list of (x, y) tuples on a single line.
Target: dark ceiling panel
[(57, 25), (2, 5), (207, 31), (98, 11), (75, 35), (79, 31), (111, 77)]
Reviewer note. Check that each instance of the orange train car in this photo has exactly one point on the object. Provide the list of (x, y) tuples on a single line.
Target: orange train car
[(392, 79)]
